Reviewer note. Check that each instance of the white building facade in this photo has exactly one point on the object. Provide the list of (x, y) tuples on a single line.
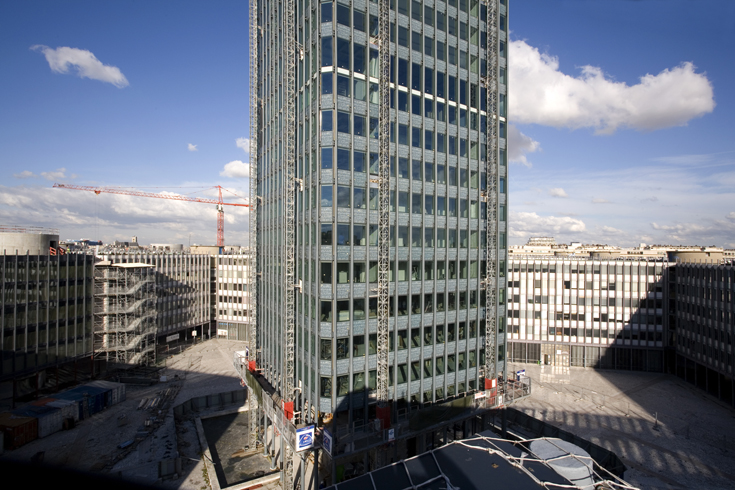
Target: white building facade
[(606, 314)]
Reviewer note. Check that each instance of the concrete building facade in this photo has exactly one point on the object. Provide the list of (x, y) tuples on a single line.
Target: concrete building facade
[(46, 319), (233, 299), (183, 292), (439, 216), (592, 313), (31, 240), (703, 322)]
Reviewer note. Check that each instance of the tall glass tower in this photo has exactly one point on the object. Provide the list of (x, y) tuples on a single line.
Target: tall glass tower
[(330, 164)]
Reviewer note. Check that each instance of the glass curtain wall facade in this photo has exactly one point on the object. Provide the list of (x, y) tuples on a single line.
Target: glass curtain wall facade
[(438, 199)]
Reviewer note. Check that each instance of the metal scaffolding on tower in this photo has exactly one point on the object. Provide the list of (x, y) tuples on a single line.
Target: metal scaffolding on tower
[(290, 186), (383, 410), (491, 273), (254, 413)]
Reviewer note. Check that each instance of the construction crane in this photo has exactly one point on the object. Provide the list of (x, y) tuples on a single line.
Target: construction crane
[(127, 192)]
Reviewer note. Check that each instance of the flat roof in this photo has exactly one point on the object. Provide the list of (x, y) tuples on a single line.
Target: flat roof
[(130, 265)]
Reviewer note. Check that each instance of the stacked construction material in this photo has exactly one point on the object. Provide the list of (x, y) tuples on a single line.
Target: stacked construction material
[(62, 411)]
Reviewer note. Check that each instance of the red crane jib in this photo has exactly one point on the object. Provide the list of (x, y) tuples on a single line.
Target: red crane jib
[(174, 197)]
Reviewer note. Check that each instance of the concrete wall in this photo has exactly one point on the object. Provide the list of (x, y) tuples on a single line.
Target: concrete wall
[(168, 247), (31, 243), (701, 256), (204, 249)]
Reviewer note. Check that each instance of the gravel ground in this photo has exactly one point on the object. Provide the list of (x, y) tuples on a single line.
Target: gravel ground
[(203, 369), (669, 434)]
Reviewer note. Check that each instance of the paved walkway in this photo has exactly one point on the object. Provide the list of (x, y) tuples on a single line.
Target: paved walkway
[(669, 434)]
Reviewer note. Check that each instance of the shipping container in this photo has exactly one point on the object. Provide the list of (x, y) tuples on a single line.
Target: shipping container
[(50, 419), (117, 390), (79, 399), (17, 430), (96, 398), (42, 401), (69, 409)]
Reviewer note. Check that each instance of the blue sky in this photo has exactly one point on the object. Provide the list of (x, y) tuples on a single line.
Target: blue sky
[(637, 147)]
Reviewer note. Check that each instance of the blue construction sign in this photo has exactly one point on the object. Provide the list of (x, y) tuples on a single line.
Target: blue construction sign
[(304, 438)]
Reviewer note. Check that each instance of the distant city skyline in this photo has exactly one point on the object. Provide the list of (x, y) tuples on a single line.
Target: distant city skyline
[(622, 115)]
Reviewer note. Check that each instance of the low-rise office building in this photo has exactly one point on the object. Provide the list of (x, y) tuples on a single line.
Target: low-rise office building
[(233, 296), (591, 313), (703, 322), (46, 319)]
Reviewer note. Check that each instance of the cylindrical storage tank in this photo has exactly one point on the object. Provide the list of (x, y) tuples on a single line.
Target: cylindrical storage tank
[(31, 243)]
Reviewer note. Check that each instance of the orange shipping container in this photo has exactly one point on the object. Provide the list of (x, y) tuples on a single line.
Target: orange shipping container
[(17, 430)]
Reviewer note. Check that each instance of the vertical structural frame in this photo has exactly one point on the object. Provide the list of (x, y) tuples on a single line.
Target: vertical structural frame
[(383, 201), (253, 218), (491, 273), (289, 16)]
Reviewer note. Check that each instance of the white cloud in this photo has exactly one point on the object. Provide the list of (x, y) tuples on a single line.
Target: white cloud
[(243, 143), (236, 169), (59, 174), (609, 230), (542, 94), (520, 145), (109, 216), (25, 174), (85, 63), (730, 215), (705, 232), (192, 147), (525, 224), (557, 192), (599, 200)]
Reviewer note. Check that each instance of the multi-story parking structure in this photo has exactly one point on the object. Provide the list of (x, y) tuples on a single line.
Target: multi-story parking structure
[(183, 292)]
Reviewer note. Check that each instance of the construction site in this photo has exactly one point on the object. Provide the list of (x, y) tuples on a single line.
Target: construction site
[(371, 326), (188, 429)]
